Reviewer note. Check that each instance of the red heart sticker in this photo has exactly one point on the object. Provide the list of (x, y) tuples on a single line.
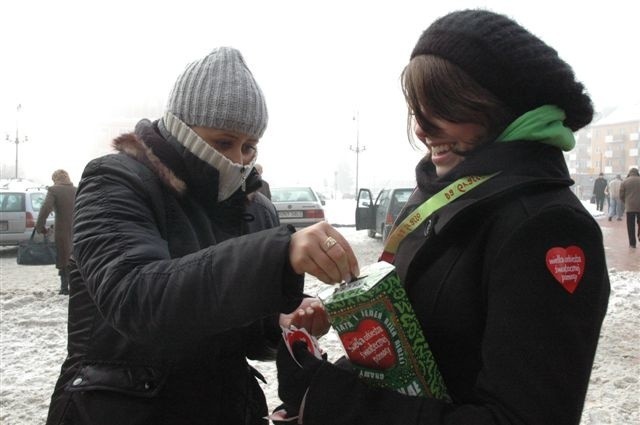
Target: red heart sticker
[(299, 335), (566, 265), (369, 345)]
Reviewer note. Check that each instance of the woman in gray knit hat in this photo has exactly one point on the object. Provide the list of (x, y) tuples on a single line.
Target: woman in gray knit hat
[(504, 267), (178, 276)]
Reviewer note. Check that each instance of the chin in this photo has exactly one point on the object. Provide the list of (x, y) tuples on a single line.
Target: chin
[(444, 169), (441, 172)]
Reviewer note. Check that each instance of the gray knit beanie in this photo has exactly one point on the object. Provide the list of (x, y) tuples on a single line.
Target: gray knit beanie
[(219, 91)]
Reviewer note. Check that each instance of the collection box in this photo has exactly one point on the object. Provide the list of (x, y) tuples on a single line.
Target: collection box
[(381, 334)]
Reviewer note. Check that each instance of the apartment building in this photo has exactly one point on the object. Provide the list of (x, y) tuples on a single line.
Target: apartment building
[(610, 145)]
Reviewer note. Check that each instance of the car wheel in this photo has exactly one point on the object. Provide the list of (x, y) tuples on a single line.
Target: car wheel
[(371, 233)]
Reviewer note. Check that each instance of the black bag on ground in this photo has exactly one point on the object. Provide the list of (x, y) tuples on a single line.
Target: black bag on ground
[(36, 253)]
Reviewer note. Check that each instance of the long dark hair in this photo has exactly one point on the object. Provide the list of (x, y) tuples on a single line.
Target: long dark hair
[(435, 87)]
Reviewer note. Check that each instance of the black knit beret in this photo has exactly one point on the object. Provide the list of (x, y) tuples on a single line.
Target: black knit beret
[(509, 61)]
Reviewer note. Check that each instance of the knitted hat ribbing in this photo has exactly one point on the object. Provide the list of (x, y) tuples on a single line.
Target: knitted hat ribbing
[(509, 61), (219, 91)]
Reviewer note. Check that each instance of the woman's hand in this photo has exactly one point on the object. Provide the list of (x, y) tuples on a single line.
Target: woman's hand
[(310, 315), (296, 369), (323, 252)]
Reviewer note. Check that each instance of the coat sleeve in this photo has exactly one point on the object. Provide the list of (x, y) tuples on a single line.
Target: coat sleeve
[(143, 292), (45, 210), (538, 344), (265, 334)]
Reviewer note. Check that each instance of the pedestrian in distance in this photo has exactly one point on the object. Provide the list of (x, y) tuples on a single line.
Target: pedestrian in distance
[(599, 191), (174, 283), (630, 195), (616, 206), (59, 200), (507, 277)]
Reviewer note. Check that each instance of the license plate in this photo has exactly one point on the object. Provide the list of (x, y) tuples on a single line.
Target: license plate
[(289, 214), (4, 226)]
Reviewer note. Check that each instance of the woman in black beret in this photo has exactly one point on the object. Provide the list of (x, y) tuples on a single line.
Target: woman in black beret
[(507, 277)]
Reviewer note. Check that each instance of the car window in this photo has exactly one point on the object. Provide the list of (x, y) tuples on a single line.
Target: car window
[(305, 195), (402, 195), (37, 199), (292, 195), (12, 202), (276, 195), (399, 199)]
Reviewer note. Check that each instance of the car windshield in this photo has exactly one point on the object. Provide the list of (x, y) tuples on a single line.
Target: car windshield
[(292, 194)]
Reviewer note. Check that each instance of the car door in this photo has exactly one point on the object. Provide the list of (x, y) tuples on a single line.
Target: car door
[(382, 205), (365, 211)]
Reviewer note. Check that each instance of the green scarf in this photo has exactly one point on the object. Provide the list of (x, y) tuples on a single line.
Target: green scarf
[(543, 124)]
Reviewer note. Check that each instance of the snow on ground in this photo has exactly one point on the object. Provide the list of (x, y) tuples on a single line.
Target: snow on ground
[(33, 322)]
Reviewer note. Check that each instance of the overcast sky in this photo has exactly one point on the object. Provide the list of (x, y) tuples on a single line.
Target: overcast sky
[(72, 65)]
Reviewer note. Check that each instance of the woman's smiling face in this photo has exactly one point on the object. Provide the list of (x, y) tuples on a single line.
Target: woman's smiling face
[(452, 138)]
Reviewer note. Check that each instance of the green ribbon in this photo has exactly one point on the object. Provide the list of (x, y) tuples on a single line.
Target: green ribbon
[(544, 124)]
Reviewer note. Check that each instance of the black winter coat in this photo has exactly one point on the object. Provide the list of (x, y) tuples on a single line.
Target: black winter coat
[(515, 345), (169, 293)]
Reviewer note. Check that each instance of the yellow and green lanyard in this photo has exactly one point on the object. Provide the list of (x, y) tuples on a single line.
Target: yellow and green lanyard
[(426, 209)]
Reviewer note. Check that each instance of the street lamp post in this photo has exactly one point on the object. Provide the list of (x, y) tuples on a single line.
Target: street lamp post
[(358, 148), (17, 140)]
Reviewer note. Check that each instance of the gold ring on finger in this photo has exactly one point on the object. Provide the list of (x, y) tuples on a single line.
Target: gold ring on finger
[(329, 243)]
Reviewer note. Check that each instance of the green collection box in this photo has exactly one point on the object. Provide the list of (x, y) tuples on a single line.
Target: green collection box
[(381, 334)]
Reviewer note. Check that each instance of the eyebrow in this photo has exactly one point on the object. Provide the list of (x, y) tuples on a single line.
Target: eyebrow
[(235, 136), (227, 134)]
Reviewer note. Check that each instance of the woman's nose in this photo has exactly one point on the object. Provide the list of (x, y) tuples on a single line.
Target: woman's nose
[(420, 134), (235, 156)]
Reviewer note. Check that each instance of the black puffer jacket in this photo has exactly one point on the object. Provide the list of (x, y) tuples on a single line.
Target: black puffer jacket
[(514, 341), (169, 294)]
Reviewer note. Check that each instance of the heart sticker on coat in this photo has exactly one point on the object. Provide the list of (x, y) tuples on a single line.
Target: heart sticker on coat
[(566, 265), (369, 345)]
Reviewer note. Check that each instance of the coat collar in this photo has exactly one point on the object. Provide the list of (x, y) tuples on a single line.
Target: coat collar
[(183, 173), (132, 145), (522, 165)]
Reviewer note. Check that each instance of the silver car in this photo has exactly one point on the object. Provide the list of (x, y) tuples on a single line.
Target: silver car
[(299, 206), (19, 211)]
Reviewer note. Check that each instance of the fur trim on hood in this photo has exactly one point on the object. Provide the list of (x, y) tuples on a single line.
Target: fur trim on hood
[(131, 145)]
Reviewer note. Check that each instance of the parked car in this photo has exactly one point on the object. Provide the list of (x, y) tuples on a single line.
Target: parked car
[(378, 217), (298, 206), (18, 214)]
